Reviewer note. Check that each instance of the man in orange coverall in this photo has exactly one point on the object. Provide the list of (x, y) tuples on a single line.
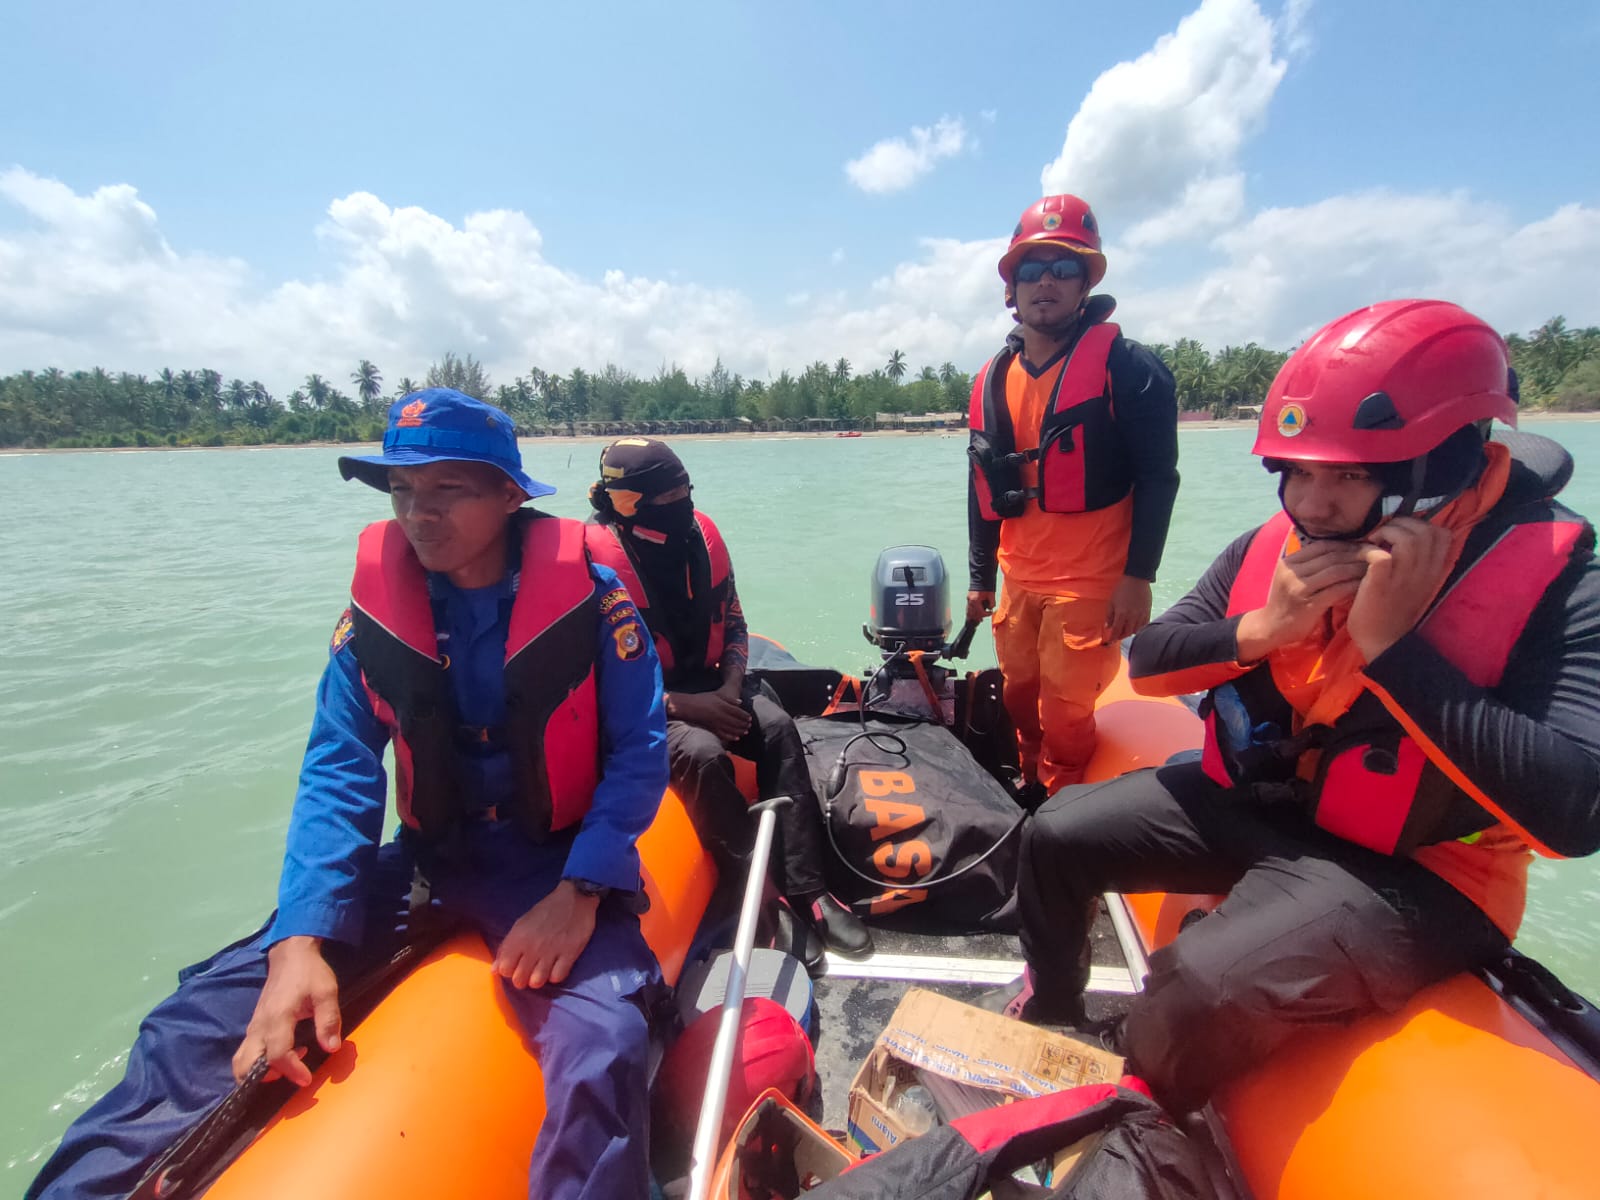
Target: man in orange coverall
[(1074, 452)]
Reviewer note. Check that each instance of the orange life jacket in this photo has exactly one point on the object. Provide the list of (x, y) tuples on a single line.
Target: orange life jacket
[(1082, 463), (1368, 779), (608, 547), (552, 726)]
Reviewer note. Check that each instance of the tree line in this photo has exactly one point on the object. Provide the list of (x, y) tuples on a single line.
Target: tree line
[(1559, 369)]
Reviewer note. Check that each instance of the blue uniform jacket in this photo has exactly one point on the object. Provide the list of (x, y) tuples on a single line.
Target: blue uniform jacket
[(339, 807)]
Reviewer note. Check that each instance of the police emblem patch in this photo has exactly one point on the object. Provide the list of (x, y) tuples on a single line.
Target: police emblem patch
[(612, 598), (1291, 420), (342, 632), (630, 641)]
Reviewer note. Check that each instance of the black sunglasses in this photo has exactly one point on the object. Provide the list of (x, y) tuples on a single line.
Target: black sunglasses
[(1031, 270)]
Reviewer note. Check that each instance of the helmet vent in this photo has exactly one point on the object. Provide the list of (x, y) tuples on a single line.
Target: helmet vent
[(1377, 411)]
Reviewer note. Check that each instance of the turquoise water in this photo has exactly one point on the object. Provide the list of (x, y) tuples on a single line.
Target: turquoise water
[(166, 616)]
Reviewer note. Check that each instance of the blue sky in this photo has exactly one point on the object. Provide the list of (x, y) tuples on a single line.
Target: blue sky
[(277, 191)]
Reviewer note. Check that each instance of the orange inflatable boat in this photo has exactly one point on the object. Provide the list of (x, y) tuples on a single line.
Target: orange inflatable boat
[(1472, 1091), (1469, 1092), (435, 1093)]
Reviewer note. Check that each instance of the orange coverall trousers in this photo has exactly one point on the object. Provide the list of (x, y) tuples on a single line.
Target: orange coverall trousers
[(1055, 669)]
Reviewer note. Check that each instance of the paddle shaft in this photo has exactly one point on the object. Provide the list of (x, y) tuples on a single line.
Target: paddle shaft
[(705, 1135)]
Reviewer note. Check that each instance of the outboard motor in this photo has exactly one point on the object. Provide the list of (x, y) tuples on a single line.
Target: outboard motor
[(910, 601), (911, 626)]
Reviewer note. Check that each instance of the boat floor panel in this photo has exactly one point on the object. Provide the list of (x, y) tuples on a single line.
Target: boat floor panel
[(856, 999)]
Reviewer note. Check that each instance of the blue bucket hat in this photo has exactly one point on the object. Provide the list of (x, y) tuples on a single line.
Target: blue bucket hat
[(444, 425)]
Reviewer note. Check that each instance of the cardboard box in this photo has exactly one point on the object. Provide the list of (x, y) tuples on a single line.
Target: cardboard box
[(969, 1058)]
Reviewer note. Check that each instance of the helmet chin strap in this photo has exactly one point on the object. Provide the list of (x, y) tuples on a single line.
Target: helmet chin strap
[(1408, 502), (1384, 508), (1375, 517)]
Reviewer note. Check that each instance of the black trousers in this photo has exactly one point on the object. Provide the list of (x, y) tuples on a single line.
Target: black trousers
[(703, 777), (1315, 930)]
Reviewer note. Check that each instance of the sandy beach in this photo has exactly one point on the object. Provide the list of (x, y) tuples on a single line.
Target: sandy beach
[(1528, 418)]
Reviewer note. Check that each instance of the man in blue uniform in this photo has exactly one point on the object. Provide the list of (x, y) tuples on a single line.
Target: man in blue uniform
[(500, 700)]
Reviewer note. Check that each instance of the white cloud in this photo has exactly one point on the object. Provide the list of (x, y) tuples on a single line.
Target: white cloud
[(1287, 271), (1295, 26), (1209, 203), (1155, 144), (91, 280), (1156, 147), (895, 163)]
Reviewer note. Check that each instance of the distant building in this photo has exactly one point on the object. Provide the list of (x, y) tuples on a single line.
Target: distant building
[(920, 422)]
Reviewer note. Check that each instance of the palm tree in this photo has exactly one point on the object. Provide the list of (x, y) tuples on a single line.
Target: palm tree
[(211, 390), (369, 384), (318, 391), (947, 372), (896, 366), (555, 400), (841, 370), (406, 386), (463, 374), (1243, 375), (1191, 374), (580, 391)]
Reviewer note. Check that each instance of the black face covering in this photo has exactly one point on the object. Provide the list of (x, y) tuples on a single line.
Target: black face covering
[(675, 519)]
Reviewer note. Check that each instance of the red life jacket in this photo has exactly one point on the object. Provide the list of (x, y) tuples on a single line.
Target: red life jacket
[(1082, 463), (1371, 780), (608, 546), (552, 726)]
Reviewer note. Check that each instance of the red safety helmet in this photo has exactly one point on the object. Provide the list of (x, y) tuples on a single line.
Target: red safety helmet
[(1063, 220), (1386, 384), (772, 1052)]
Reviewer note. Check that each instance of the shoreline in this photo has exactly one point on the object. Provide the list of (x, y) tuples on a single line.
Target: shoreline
[(601, 438)]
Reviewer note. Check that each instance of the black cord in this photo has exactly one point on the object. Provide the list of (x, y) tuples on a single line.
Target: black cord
[(866, 693), (841, 768), (841, 772), (876, 881)]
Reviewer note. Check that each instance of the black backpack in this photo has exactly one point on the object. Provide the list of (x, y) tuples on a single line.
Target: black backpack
[(1139, 1155)]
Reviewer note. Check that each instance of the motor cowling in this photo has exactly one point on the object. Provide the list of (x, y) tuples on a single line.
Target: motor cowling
[(910, 602)]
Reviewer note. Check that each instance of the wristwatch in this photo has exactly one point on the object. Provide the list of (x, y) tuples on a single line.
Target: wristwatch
[(587, 887)]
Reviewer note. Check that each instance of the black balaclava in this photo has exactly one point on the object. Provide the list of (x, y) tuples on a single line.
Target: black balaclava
[(660, 540), (634, 471)]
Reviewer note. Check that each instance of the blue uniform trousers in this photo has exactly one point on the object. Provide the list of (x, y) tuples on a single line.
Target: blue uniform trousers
[(590, 1034)]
